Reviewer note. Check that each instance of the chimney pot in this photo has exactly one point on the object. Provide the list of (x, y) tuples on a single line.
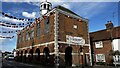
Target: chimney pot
[(109, 25)]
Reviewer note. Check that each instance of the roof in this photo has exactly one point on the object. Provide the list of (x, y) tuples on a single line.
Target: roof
[(66, 12), (105, 34), (65, 9), (61, 8)]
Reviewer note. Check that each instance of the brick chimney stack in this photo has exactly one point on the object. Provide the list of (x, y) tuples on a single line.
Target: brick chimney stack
[(109, 25)]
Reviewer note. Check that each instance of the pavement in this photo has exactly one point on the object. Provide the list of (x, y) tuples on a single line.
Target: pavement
[(14, 64)]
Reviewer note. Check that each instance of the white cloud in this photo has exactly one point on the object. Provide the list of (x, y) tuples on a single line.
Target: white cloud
[(7, 46), (28, 15), (10, 20), (66, 5), (3, 40)]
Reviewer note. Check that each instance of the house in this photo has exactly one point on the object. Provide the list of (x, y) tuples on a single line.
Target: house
[(104, 42), (58, 37)]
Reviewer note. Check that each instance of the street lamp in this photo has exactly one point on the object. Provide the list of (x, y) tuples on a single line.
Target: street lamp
[(81, 52), (82, 42)]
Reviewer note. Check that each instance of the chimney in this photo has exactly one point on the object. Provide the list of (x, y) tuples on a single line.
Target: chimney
[(109, 25)]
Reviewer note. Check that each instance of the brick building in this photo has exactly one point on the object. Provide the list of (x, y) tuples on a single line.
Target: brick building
[(48, 38), (104, 42)]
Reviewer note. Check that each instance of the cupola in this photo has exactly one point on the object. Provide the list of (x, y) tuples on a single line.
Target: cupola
[(45, 7)]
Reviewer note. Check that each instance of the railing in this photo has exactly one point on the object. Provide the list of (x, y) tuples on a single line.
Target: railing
[(116, 59)]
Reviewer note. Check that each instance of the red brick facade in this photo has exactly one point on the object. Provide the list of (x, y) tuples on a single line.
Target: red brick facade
[(106, 36), (44, 45)]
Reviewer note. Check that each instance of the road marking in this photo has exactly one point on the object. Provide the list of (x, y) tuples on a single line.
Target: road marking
[(26, 64)]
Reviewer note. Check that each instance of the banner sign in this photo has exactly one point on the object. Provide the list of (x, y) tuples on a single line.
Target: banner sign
[(75, 40)]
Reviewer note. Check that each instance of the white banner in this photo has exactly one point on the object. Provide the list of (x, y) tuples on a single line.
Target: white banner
[(75, 40)]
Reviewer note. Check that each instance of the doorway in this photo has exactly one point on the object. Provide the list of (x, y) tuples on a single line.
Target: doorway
[(68, 56)]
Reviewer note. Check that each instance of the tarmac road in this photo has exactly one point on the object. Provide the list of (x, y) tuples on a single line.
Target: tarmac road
[(14, 64)]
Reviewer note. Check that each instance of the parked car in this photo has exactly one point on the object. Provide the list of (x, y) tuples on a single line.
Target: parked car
[(0, 59), (10, 57)]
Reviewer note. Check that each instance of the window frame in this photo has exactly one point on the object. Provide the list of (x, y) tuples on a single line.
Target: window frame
[(101, 58), (99, 44), (32, 33), (75, 26), (46, 25), (38, 30), (27, 35)]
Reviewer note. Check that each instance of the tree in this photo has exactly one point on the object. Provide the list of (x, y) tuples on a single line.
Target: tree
[(117, 52)]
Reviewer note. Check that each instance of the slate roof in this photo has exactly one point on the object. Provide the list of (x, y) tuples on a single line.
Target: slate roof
[(105, 34), (65, 9)]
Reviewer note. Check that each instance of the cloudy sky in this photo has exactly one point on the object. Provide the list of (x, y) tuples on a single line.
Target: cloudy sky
[(97, 12)]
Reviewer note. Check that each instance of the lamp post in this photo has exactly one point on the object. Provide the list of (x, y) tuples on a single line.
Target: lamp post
[(81, 51), (82, 42)]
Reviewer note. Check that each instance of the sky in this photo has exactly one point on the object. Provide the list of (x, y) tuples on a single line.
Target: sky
[(97, 12)]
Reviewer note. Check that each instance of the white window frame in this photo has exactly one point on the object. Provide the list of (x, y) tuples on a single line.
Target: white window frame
[(101, 58), (99, 44), (75, 26)]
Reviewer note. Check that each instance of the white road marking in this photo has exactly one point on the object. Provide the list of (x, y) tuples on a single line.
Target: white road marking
[(26, 64)]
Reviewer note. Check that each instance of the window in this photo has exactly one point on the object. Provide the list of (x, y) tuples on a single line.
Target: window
[(75, 26), (38, 29), (22, 36), (47, 25), (19, 40), (44, 6), (99, 44), (48, 6), (116, 58), (100, 58), (32, 33), (27, 35)]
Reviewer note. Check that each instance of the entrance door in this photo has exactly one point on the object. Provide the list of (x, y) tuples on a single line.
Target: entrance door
[(25, 55), (46, 55), (37, 54), (68, 56)]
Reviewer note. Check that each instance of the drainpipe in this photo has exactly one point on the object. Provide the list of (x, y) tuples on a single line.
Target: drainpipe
[(89, 47), (56, 39)]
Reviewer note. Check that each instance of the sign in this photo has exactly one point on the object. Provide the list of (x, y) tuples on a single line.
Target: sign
[(75, 40)]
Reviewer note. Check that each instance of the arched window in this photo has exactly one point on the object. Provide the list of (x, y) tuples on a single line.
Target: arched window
[(44, 6), (48, 6), (38, 29)]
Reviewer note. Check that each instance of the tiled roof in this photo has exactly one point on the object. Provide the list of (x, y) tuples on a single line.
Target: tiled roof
[(105, 34)]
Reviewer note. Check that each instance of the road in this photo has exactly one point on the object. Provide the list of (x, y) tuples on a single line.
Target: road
[(13, 64)]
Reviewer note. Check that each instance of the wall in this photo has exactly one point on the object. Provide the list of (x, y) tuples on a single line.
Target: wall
[(116, 44), (107, 47)]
